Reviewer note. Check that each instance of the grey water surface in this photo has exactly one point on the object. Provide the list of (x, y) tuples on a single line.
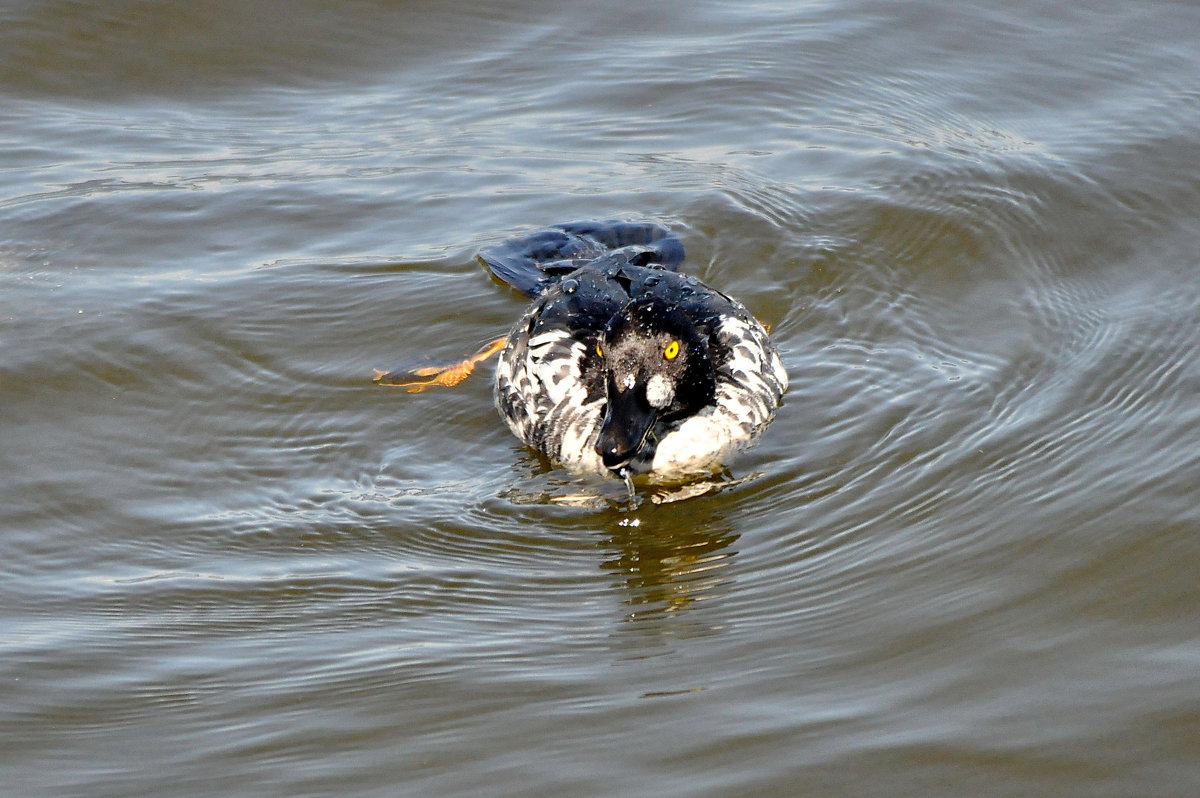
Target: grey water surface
[(963, 561)]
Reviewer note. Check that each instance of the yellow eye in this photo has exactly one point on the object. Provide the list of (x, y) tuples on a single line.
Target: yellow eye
[(671, 350), (599, 351)]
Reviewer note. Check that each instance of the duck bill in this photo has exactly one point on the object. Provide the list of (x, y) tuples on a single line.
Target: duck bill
[(627, 423)]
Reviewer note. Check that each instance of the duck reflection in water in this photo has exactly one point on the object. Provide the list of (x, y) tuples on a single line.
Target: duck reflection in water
[(668, 565)]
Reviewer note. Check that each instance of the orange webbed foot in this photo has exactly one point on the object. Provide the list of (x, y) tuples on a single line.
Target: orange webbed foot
[(447, 375)]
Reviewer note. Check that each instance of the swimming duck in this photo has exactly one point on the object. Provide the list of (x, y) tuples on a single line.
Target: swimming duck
[(622, 365)]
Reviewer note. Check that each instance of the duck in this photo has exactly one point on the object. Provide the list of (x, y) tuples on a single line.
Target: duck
[(621, 365)]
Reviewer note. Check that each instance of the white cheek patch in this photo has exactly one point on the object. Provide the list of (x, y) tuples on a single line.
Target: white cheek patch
[(659, 391), (628, 381)]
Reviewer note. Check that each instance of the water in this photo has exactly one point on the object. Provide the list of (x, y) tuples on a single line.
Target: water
[(961, 562)]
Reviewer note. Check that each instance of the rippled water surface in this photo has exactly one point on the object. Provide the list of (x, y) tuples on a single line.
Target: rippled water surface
[(962, 561)]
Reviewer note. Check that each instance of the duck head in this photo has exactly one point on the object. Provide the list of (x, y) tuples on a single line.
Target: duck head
[(657, 369)]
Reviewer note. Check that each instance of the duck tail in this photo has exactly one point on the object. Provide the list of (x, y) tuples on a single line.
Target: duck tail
[(534, 262)]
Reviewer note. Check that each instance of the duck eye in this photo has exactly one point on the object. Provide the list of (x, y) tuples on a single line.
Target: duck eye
[(599, 351), (671, 350)]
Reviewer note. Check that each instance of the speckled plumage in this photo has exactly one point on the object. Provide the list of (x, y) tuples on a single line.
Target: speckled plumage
[(552, 382)]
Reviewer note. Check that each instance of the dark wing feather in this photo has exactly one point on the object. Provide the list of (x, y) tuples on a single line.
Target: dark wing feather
[(534, 262)]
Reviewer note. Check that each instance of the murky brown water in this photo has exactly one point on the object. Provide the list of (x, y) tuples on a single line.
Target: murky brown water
[(962, 562)]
